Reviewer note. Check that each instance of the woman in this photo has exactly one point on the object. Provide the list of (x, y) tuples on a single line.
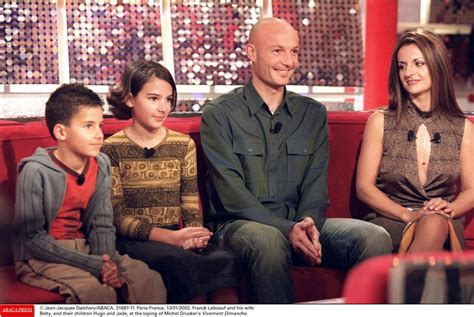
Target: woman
[(416, 153), (155, 188)]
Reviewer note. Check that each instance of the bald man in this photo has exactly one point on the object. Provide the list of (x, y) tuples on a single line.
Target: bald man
[(267, 155)]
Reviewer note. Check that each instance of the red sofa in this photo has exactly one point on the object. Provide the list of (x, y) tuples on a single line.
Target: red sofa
[(18, 140)]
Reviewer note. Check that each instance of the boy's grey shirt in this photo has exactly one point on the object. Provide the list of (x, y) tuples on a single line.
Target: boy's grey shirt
[(40, 191)]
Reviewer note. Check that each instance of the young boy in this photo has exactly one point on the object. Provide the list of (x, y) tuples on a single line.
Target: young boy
[(64, 233)]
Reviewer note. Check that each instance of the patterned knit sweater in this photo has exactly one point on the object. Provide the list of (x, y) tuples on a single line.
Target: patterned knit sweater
[(155, 191)]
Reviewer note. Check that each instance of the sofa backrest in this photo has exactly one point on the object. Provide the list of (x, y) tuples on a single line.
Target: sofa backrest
[(345, 137), (17, 142), (345, 134), (21, 140)]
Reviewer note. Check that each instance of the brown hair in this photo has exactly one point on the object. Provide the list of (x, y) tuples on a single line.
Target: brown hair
[(66, 101), (134, 77), (443, 100)]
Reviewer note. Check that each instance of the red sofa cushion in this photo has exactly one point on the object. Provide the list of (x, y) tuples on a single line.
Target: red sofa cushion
[(315, 283), (15, 292)]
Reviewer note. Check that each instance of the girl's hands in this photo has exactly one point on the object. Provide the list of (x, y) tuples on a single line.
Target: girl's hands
[(192, 237), (196, 243)]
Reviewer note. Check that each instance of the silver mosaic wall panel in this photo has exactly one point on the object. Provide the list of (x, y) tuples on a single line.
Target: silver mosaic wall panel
[(103, 36), (452, 11), (209, 39), (330, 38), (28, 42)]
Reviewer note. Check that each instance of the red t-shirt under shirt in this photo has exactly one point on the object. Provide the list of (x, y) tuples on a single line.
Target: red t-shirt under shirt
[(68, 222)]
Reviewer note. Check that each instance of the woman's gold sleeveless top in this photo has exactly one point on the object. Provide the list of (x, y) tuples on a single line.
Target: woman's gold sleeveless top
[(398, 175)]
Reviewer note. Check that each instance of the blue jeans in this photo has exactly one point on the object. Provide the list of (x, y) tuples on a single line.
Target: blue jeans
[(268, 255)]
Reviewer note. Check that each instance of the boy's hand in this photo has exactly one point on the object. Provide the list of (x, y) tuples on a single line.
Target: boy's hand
[(109, 273)]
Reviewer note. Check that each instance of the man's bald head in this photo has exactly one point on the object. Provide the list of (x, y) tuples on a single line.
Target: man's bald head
[(264, 26), (272, 49)]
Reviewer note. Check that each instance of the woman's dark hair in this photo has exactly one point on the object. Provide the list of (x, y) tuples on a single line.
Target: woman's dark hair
[(135, 76), (443, 99)]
